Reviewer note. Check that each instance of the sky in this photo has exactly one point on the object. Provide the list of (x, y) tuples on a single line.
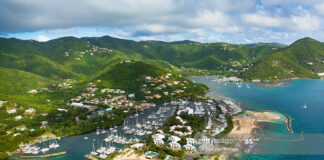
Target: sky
[(233, 21)]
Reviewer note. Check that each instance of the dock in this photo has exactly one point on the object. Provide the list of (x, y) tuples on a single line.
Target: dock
[(43, 156)]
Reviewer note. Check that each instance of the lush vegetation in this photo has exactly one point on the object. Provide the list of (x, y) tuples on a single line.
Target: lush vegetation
[(302, 59), (19, 82), (57, 94), (71, 57), (116, 63), (230, 125)]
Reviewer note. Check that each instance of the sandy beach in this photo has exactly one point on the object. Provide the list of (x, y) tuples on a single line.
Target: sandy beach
[(244, 124), (130, 155)]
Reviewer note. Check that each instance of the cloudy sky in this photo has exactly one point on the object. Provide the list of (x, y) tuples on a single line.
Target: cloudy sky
[(234, 21)]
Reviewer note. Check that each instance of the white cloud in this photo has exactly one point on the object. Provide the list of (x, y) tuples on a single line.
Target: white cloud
[(42, 38), (320, 9), (61, 31), (305, 23), (261, 20), (213, 20), (158, 28), (208, 20)]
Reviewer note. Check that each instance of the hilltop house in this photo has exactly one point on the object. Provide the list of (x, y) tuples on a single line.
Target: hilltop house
[(10, 111), (30, 111), (33, 91), (74, 104), (18, 118), (157, 96), (2, 102), (131, 95), (62, 110)]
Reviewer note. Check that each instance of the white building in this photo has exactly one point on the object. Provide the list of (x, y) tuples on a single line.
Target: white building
[(74, 104), (30, 111), (158, 139), (137, 146), (174, 145), (174, 139), (2, 102), (191, 141), (12, 111), (62, 110), (18, 118), (189, 147), (33, 91)]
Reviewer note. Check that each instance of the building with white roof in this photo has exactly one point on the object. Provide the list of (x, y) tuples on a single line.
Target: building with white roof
[(189, 147), (10, 111), (174, 139), (174, 145), (191, 141)]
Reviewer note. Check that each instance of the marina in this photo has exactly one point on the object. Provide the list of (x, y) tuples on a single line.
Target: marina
[(104, 142)]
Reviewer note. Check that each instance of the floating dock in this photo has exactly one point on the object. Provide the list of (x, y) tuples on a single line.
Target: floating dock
[(44, 156)]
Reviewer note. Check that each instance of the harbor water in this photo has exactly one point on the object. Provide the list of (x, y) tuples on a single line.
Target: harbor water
[(287, 97), (76, 147)]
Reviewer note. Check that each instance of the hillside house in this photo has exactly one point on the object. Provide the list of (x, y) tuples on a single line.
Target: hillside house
[(18, 118), (11, 111), (32, 91), (30, 111), (2, 102)]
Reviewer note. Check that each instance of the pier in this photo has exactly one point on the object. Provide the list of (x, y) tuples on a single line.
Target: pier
[(44, 156)]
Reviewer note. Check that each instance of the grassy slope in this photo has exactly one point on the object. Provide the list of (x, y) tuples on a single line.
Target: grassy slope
[(36, 64), (17, 82), (127, 75), (290, 62)]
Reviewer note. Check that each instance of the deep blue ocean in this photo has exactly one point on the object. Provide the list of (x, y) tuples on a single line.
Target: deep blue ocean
[(287, 98)]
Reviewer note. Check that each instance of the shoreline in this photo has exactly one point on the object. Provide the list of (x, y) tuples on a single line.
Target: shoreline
[(287, 120), (245, 123)]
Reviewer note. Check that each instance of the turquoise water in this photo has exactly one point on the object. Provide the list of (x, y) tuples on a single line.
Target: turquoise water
[(287, 98)]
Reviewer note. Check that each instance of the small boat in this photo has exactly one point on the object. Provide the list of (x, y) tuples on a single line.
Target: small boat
[(103, 131), (304, 106), (44, 150), (54, 144), (98, 132), (93, 152), (86, 138)]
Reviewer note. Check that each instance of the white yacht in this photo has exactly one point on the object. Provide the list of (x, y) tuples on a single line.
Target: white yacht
[(45, 150), (93, 152), (305, 106), (98, 132)]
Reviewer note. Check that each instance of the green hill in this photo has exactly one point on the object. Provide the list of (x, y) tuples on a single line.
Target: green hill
[(128, 75), (36, 64), (87, 56), (19, 82), (302, 59)]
